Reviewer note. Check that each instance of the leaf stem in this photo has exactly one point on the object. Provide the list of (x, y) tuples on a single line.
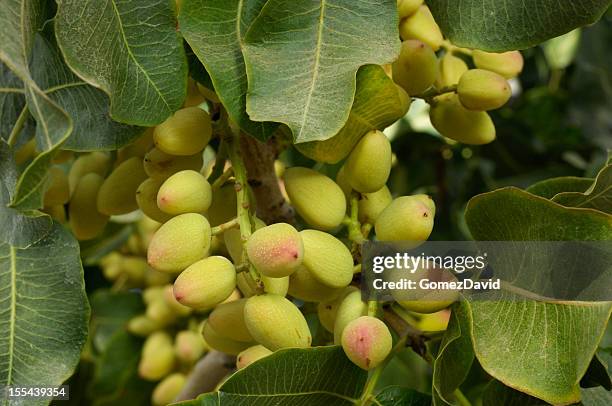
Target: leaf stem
[(432, 93), (555, 80), (224, 177), (120, 283), (365, 229), (233, 223), (460, 397), (352, 221), (407, 317), (372, 308), (366, 396), (415, 336), (449, 47), (12, 139)]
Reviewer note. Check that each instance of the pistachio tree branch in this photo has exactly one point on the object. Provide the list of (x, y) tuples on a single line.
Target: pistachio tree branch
[(259, 160), (414, 337), (207, 374)]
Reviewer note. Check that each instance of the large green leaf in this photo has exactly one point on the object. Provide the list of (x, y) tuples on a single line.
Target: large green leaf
[(548, 188), (131, 50), (455, 356), (511, 214), (302, 56), (312, 376), (94, 129), (515, 24), (214, 29), (398, 396), (547, 347), (43, 311), (598, 196), (377, 104), (557, 341), (497, 393), (19, 21), (17, 229)]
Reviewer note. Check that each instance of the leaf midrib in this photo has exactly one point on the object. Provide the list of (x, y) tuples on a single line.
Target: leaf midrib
[(129, 51), (315, 73), (13, 256), (315, 392), (595, 196), (11, 90), (589, 198)]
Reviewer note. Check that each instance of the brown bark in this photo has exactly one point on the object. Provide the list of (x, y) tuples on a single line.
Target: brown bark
[(207, 374), (259, 160)]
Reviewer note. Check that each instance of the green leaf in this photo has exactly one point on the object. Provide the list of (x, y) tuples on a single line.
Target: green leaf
[(515, 24), (497, 393), (94, 130), (598, 196), (30, 188), (12, 100), (16, 228), (43, 311), (131, 50), (110, 313), (13, 110), (55, 83), (548, 188), (116, 381), (215, 30), (556, 340), (596, 397), (20, 20), (310, 376), (116, 363), (517, 215), (377, 104), (302, 57), (196, 70), (398, 396), (455, 356), (591, 84)]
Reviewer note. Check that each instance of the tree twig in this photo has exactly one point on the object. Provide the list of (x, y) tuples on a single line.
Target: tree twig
[(415, 337), (207, 374)]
